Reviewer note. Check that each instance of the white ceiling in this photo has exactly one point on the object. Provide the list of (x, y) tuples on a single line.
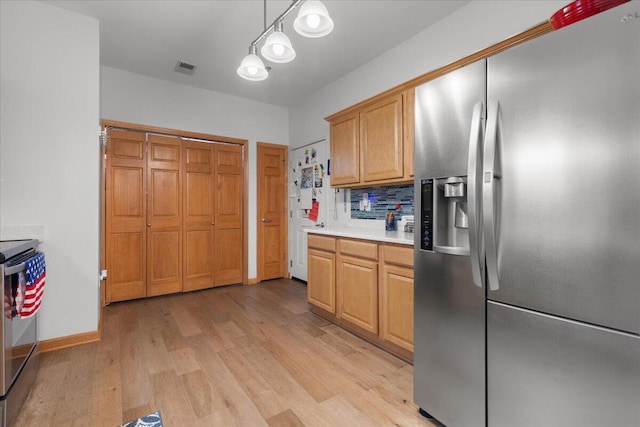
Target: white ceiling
[(150, 37)]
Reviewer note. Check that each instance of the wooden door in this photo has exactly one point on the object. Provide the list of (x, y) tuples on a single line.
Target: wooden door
[(229, 184), (357, 292), (321, 280), (272, 211), (198, 216), (164, 215), (396, 305), (345, 150), (381, 145), (126, 229)]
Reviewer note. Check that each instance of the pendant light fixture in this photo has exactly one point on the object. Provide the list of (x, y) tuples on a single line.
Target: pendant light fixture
[(252, 68), (278, 47), (313, 21)]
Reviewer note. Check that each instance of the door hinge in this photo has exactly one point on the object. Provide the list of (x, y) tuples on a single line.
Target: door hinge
[(103, 274), (104, 138)]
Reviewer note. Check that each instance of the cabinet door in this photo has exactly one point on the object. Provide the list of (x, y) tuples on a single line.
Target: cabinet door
[(357, 292), (345, 151), (321, 283), (396, 305), (381, 144), (198, 216), (126, 231), (164, 215), (228, 214)]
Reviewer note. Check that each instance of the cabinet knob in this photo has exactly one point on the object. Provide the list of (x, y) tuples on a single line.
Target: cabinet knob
[(266, 220), (213, 223), (148, 224)]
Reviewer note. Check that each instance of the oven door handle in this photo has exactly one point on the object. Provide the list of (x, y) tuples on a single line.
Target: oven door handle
[(8, 271)]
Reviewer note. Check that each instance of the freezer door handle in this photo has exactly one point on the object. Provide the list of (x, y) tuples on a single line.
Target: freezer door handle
[(474, 185), (490, 191)]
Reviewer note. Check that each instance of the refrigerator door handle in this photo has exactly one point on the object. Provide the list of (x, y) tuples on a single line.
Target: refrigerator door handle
[(491, 173), (474, 185), (451, 250)]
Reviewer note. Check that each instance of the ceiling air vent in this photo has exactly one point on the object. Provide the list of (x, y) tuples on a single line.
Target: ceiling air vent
[(185, 68)]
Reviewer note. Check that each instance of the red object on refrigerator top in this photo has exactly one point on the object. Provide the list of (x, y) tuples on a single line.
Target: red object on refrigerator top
[(579, 10)]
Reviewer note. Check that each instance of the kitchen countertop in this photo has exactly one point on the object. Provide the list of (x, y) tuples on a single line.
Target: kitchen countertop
[(399, 237)]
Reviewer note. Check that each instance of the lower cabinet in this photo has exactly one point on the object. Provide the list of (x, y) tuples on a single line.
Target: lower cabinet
[(396, 296), (365, 287), (321, 277), (357, 292)]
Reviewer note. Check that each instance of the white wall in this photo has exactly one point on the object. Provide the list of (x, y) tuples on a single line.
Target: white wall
[(49, 167), (135, 98), (476, 26)]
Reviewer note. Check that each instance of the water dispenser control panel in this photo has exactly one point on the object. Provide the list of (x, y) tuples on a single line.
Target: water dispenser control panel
[(426, 203)]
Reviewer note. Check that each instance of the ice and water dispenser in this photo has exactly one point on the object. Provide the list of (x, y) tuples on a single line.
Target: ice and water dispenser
[(445, 223)]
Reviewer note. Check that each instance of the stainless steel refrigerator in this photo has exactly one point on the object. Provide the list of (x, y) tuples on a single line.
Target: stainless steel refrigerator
[(527, 255)]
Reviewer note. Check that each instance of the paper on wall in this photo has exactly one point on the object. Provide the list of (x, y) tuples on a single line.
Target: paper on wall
[(305, 198)]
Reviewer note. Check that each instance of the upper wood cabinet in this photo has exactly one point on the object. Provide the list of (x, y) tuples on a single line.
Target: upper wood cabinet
[(381, 141), (345, 150), (373, 145)]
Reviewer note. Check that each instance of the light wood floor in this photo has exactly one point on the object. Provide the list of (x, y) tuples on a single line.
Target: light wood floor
[(239, 355)]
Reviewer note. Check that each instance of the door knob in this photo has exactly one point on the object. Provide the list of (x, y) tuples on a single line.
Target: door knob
[(266, 220)]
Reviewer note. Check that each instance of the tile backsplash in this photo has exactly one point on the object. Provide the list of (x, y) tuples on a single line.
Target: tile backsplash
[(382, 200)]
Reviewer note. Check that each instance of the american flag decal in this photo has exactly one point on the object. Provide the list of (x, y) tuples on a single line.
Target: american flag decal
[(35, 272)]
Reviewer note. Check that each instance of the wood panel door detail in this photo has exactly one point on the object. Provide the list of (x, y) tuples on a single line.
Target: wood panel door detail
[(229, 184), (381, 140), (345, 151), (396, 305), (321, 284), (126, 230), (164, 215), (165, 197), (272, 206), (198, 217), (357, 292)]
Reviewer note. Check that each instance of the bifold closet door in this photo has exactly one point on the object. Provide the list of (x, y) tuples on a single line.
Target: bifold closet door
[(229, 184), (199, 220), (126, 230), (164, 215)]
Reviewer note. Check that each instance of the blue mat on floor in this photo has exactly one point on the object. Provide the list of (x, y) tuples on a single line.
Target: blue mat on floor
[(151, 420)]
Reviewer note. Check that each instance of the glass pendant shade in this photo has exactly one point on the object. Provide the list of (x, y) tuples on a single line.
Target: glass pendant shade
[(313, 20), (278, 47), (252, 68)]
